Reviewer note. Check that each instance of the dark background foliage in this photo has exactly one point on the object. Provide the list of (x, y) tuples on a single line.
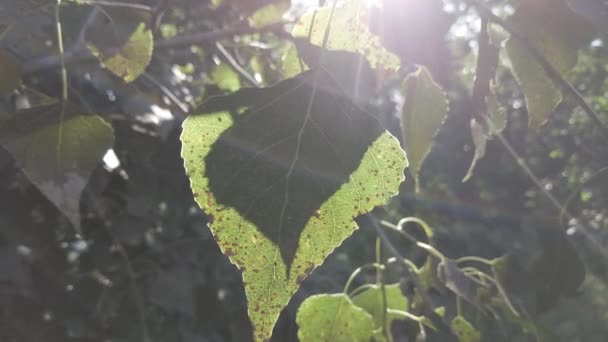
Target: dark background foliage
[(147, 262)]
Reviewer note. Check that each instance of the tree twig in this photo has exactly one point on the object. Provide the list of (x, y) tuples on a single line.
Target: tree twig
[(84, 55), (550, 70), (236, 66)]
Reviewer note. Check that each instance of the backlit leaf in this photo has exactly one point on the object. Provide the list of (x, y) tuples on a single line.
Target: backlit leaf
[(372, 301), (349, 31), (57, 157), (122, 41), (269, 14), (333, 318), (558, 33), (282, 181), (466, 331), (226, 78), (424, 111)]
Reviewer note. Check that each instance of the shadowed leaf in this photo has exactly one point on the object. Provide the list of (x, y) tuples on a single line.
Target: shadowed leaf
[(59, 167), (122, 41), (283, 180), (333, 318)]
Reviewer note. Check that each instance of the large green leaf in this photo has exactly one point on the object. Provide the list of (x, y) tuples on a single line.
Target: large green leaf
[(348, 31), (372, 301), (10, 73), (333, 318), (282, 181), (58, 157), (425, 108), (557, 33), (121, 39)]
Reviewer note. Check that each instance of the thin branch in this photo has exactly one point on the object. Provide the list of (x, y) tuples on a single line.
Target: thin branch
[(84, 55), (236, 66), (114, 4), (550, 70)]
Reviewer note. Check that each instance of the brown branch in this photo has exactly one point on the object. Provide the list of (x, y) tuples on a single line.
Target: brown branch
[(550, 70), (84, 55)]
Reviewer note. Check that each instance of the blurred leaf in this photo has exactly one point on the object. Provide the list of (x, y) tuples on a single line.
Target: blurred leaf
[(292, 64), (10, 73), (515, 285), (425, 108), (349, 31), (372, 301), (282, 182), (333, 318), (466, 331), (122, 41), (58, 157), (558, 33), (226, 78), (457, 281), (594, 10), (269, 14)]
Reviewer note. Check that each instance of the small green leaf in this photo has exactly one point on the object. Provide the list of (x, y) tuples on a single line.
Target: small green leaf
[(465, 331), (57, 157), (269, 14), (372, 301), (425, 108), (226, 78), (10, 73), (122, 41), (283, 180), (349, 31), (558, 33), (333, 318)]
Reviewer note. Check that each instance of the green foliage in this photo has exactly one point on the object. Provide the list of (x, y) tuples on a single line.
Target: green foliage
[(226, 78), (292, 199), (423, 113), (122, 41), (372, 301), (557, 39), (348, 31), (329, 318), (57, 156), (466, 331)]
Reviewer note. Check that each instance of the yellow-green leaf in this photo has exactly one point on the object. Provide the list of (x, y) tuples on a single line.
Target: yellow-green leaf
[(557, 33), (269, 14), (122, 42), (10, 73), (349, 31), (333, 318), (372, 301), (282, 181), (226, 78), (465, 331), (425, 108)]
